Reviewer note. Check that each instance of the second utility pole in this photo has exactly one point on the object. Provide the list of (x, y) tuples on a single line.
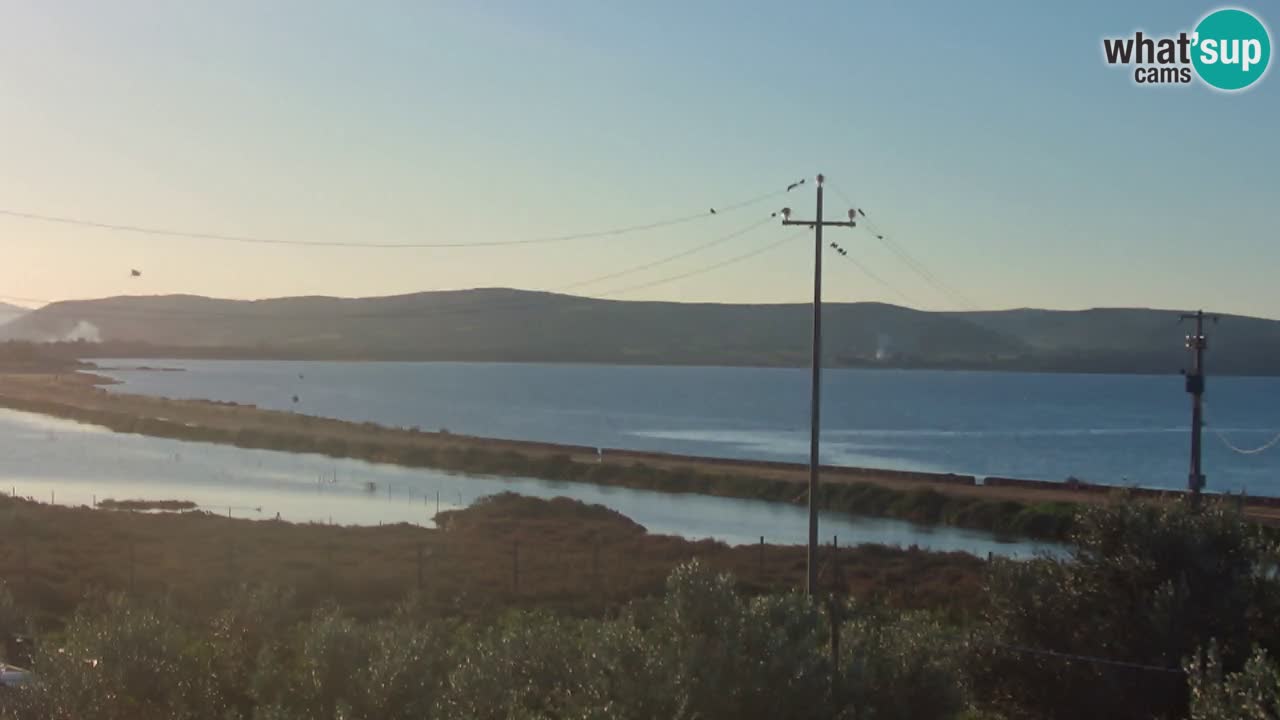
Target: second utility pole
[(811, 565), (1197, 344)]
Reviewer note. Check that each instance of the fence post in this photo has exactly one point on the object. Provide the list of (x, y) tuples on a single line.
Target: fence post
[(833, 608), (595, 567), (515, 567), (330, 579), (762, 553)]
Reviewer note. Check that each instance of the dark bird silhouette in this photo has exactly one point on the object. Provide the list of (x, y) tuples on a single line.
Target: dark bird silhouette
[(135, 273), (295, 398), (713, 211), (301, 376), (795, 185)]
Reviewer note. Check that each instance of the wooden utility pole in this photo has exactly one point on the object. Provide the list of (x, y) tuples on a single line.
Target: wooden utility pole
[(811, 575), (1197, 344)]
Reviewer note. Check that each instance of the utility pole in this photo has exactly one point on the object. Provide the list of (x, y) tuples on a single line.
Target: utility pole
[(811, 575), (1197, 344)]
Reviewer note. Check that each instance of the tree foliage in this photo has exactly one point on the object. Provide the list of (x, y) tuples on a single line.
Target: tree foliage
[(1144, 584)]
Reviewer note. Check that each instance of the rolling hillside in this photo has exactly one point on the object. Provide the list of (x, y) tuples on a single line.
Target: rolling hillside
[(11, 312), (514, 325)]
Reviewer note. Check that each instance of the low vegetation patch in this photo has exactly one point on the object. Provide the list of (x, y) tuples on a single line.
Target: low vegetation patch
[(142, 505), (507, 513), (504, 552)]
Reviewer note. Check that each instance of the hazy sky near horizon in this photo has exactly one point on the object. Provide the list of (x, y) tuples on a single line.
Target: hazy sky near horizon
[(989, 139)]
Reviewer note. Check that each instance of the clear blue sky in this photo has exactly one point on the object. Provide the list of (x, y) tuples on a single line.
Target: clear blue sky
[(988, 138)]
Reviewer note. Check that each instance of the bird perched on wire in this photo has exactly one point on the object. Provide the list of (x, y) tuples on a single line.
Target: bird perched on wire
[(135, 273), (795, 185)]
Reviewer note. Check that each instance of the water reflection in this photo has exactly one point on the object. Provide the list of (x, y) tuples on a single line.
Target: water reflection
[(75, 464)]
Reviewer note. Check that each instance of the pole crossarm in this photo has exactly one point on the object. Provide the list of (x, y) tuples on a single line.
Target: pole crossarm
[(825, 223)]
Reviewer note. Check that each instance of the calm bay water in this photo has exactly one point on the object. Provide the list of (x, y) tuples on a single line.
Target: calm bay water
[(1118, 429), (69, 463)]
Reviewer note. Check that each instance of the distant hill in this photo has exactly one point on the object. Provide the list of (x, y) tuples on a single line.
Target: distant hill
[(515, 325), (11, 312), (1143, 340)]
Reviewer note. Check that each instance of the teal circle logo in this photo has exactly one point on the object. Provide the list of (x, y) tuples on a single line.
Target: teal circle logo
[(1231, 49)]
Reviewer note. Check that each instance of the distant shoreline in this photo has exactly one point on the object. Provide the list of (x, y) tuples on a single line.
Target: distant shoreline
[(227, 355)]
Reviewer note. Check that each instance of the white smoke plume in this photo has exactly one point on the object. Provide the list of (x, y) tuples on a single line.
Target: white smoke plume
[(83, 330), (883, 345)]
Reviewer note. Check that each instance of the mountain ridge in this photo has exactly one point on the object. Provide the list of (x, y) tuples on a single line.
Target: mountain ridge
[(503, 324)]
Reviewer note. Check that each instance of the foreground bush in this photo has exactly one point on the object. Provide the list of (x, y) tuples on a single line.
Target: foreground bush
[(1253, 693), (1158, 612), (1144, 584), (699, 651), (119, 661)]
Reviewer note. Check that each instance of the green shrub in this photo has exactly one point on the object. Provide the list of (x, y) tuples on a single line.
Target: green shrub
[(902, 668), (122, 661), (1253, 693), (1145, 584)]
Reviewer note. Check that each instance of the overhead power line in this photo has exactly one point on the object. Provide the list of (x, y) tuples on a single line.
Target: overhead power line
[(840, 250), (192, 235), (703, 269), (916, 266), (920, 269), (1236, 448), (1091, 659), (1245, 451), (664, 260)]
